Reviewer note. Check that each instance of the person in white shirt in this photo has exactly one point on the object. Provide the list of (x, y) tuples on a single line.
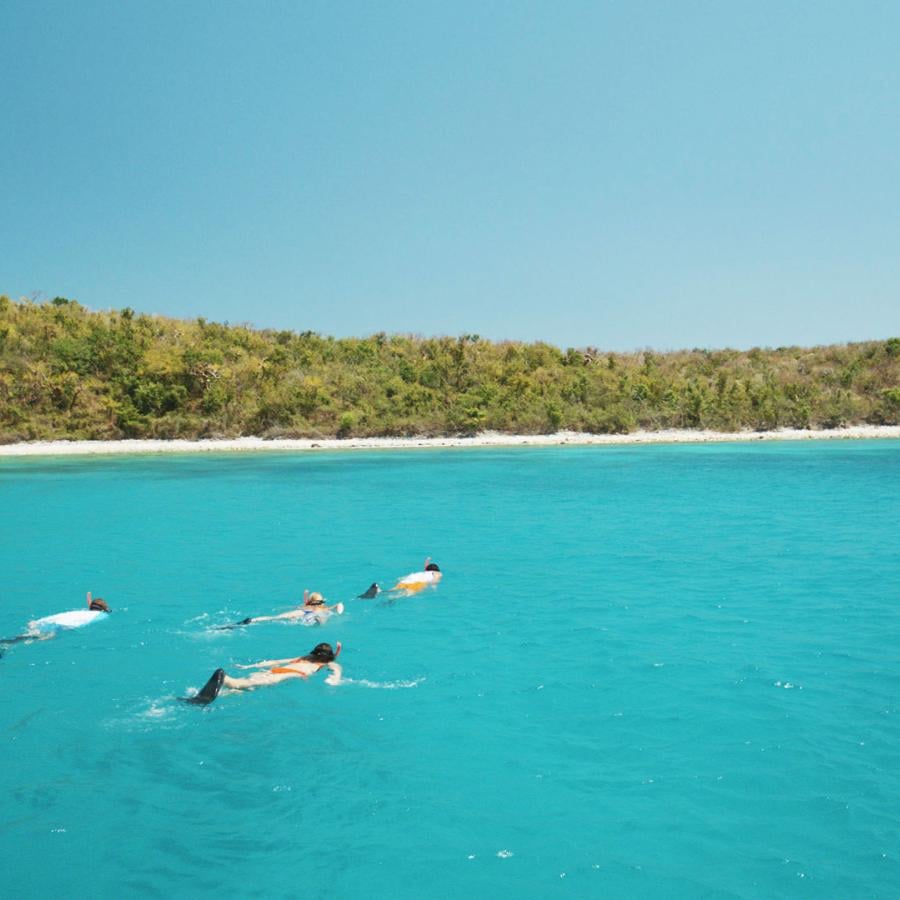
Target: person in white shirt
[(49, 626)]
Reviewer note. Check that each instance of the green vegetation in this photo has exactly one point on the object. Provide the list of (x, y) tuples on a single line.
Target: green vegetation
[(67, 372)]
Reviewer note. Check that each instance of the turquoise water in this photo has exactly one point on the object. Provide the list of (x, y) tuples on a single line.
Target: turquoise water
[(648, 671)]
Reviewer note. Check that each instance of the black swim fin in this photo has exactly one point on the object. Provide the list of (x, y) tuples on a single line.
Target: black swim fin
[(370, 593), (209, 691), (8, 642), (246, 621)]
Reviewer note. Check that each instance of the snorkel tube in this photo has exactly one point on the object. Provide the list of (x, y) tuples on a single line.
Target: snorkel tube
[(337, 649)]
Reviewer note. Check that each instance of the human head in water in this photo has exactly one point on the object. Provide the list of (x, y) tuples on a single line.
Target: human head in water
[(98, 604), (432, 567), (315, 599), (321, 653)]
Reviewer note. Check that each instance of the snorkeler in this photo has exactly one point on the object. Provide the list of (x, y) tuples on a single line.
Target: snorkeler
[(49, 626), (313, 611), (278, 670), (416, 581)]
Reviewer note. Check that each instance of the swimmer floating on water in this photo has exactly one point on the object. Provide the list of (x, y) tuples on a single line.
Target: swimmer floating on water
[(49, 626), (417, 581), (278, 670), (313, 611)]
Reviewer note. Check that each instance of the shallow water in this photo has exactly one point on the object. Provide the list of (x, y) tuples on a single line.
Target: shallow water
[(648, 671)]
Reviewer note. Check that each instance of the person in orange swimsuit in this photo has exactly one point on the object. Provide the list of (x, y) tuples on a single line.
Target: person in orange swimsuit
[(276, 670)]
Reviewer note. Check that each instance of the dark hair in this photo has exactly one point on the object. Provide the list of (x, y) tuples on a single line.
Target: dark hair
[(432, 567), (98, 604), (321, 653)]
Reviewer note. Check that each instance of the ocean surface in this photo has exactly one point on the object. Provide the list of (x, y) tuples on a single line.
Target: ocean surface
[(660, 671)]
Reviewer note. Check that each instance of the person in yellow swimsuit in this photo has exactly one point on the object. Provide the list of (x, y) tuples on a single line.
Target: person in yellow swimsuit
[(274, 671), (429, 576)]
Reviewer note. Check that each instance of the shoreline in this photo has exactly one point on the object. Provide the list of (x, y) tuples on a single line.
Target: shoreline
[(487, 439)]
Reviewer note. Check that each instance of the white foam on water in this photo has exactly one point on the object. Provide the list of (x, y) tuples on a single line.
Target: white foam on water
[(384, 685), (154, 712), (157, 711)]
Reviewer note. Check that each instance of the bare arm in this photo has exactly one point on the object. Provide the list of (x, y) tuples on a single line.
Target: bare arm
[(336, 673), (268, 663), (291, 614)]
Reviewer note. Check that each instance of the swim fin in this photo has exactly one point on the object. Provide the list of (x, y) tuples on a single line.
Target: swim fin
[(209, 691), (246, 621), (8, 642), (370, 593)]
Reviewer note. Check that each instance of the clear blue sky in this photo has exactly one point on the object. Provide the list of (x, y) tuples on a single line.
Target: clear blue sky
[(623, 175)]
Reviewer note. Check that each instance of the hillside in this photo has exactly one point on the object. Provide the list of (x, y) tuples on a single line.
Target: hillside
[(68, 372)]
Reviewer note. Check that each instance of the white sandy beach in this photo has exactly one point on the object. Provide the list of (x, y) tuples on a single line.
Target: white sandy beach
[(487, 439)]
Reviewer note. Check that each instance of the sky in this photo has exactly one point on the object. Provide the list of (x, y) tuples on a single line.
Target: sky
[(620, 175)]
